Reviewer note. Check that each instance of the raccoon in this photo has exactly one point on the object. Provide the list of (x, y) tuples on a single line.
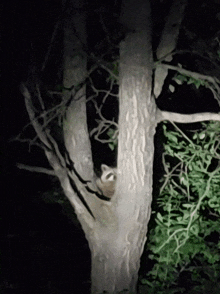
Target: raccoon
[(106, 183)]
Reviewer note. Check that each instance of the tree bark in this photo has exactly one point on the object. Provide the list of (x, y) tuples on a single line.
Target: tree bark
[(75, 130), (168, 42), (118, 240)]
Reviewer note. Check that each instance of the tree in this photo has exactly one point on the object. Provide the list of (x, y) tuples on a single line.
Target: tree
[(115, 230)]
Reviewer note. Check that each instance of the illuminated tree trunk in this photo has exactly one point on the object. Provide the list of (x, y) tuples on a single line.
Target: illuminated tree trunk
[(117, 231), (118, 241)]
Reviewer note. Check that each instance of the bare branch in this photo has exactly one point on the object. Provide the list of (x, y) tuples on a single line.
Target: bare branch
[(109, 71), (38, 128), (56, 149), (36, 169), (40, 98), (50, 146), (102, 128), (193, 74), (186, 118), (50, 45), (212, 83), (47, 115), (214, 64), (103, 124)]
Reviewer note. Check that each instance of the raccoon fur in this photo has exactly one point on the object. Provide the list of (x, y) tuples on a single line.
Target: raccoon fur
[(106, 183)]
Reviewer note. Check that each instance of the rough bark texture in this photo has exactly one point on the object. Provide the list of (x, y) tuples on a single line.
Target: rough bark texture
[(168, 42), (75, 62), (118, 238), (118, 244), (186, 118), (117, 233)]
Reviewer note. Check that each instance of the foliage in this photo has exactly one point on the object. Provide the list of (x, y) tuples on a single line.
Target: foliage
[(113, 75), (184, 242), (112, 134), (181, 78)]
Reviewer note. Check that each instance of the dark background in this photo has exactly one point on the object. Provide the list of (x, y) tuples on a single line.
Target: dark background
[(42, 251)]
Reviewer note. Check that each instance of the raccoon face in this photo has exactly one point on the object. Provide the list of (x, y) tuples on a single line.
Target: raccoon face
[(106, 183), (108, 173)]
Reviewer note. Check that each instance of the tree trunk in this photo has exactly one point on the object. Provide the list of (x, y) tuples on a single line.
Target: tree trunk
[(118, 245), (75, 130), (117, 233), (115, 264)]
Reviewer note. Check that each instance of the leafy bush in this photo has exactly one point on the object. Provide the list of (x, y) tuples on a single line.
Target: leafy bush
[(184, 242)]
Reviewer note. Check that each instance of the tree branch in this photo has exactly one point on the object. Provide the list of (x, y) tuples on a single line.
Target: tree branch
[(29, 106), (171, 30), (193, 74), (186, 118), (168, 42), (212, 83), (36, 169)]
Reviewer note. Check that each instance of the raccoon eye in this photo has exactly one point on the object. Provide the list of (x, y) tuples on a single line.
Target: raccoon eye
[(109, 176)]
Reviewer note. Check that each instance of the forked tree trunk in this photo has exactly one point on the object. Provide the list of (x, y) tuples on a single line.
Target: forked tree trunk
[(116, 230), (117, 233)]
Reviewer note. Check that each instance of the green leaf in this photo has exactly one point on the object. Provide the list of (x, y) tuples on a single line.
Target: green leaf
[(159, 216), (111, 146)]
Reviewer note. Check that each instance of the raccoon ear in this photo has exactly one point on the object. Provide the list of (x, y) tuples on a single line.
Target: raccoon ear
[(104, 167)]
